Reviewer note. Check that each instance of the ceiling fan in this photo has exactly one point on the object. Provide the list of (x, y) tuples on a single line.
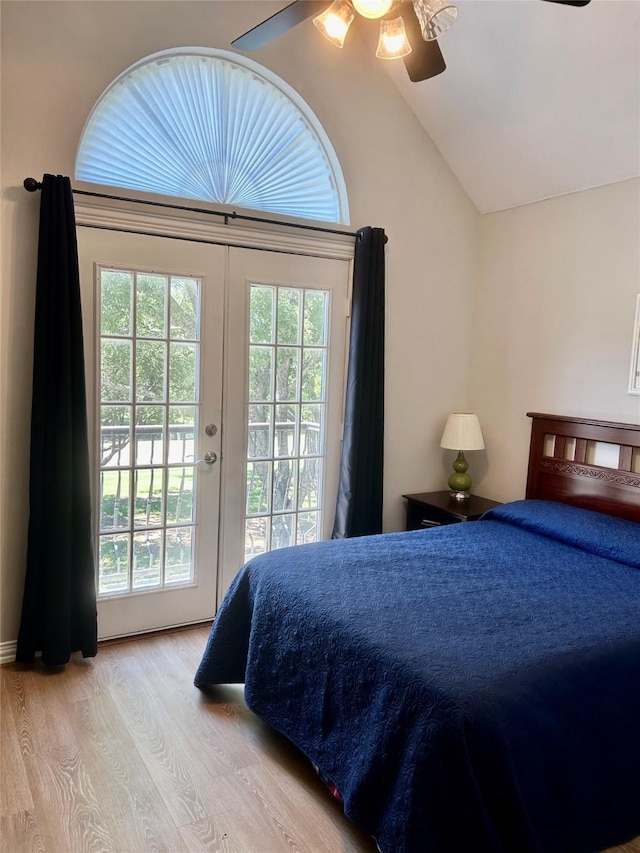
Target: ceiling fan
[(409, 29)]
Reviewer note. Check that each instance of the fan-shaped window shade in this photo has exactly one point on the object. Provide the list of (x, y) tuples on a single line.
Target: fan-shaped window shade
[(207, 124)]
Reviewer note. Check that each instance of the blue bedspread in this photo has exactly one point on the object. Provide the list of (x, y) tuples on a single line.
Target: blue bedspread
[(473, 687)]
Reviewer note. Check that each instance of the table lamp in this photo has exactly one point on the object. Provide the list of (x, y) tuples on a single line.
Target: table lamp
[(462, 432)]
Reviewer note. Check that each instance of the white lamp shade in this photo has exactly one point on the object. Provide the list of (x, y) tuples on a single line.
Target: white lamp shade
[(462, 432)]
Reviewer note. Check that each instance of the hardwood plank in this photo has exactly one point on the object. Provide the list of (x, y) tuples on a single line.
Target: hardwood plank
[(13, 696), (36, 696), (179, 774), (213, 835), (208, 718), (68, 811), (19, 833), (15, 794), (310, 809), (130, 805), (286, 768)]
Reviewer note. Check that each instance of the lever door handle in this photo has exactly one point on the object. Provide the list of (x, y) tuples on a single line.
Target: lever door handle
[(210, 457)]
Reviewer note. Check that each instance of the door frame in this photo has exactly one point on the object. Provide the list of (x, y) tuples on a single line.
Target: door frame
[(198, 225), (120, 614)]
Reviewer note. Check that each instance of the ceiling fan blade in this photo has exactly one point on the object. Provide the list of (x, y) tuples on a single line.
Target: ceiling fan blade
[(426, 59), (571, 2), (278, 24)]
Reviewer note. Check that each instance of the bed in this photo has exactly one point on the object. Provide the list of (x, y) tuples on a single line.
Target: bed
[(472, 687)]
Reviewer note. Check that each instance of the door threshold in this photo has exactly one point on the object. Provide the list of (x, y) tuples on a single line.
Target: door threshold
[(158, 632)]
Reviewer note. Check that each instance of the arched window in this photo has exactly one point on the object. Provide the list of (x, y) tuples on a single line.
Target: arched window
[(208, 124)]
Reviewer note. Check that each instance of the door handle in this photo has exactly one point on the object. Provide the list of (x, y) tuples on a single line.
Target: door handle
[(210, 457)]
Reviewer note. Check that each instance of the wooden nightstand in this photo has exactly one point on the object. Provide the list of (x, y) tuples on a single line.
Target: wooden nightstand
[(432, 509)]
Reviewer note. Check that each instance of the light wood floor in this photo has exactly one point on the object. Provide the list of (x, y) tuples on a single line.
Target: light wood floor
[(123, 754)]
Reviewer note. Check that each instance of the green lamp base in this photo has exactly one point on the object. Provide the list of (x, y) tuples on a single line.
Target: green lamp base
[(460, 482)]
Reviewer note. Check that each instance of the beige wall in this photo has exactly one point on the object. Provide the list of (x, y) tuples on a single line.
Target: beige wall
[(556, 281), (58, 57), (553, 321)]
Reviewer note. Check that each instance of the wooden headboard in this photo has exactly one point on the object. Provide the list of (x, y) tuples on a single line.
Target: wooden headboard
[(565, 464)]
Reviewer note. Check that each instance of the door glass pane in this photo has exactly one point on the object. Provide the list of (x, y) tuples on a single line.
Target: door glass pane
[(258, 487), (182, 430), (283, 531), (184, 308), (261, 321), (183, 373), (114, 564), (284, 489), (287, 372), (179, 545), (284, 484), (115, 302), (115, 436), (315, 318), (144, 373), (114, 500), (180, 497), (151, 306), (150, 435), (288, 315), (287, 418), (261, 374), (151, 359), (260, 432), (308, 529), (312, 431), (256, 536), (313, 374), (310, 483), (147, 558), (116, 358), (148, 509)]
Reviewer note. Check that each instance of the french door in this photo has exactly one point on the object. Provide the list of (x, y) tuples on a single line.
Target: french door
[(154, 363), (284, 391), (215, 387)]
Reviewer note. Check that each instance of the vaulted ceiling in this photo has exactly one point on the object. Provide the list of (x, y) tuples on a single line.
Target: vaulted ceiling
[(538, 99)]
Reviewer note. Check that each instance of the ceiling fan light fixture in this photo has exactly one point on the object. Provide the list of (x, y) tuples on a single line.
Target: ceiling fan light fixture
[(372, 8), (435, 16), (393, 42), (335, 21)]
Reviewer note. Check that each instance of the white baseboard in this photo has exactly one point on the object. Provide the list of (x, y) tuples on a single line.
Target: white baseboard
[(8, 652)]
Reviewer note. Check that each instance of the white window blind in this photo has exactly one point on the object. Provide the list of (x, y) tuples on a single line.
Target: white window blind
[(209, 125)]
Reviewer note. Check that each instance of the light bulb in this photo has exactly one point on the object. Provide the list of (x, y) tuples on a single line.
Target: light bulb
[(372, 8)]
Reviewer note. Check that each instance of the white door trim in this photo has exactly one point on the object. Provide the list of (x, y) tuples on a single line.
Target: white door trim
[(202, 227)]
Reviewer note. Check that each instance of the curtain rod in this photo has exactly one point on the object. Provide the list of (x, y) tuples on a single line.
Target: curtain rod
[(31, 185)]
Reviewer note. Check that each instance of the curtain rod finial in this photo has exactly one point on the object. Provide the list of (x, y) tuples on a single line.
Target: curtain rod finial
[(31, 185)]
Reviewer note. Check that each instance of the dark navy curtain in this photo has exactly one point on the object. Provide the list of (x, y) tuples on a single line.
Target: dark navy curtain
[(359, 503), (59, 603)]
